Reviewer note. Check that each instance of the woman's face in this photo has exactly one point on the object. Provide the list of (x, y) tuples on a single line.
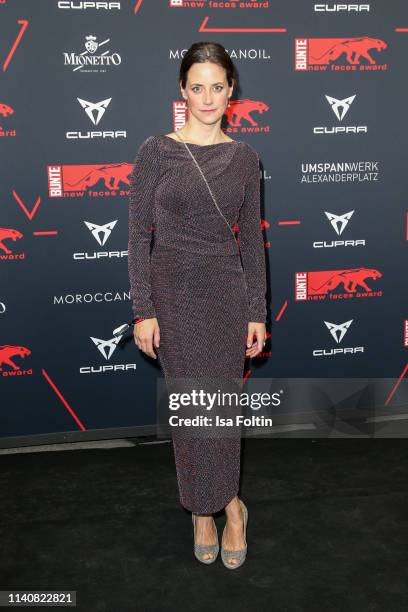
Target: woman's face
[(207, 92)]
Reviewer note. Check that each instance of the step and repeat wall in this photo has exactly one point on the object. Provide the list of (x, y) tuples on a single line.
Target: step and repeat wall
[(322, 97)]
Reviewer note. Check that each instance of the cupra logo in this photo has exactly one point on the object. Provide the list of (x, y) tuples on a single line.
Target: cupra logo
[(95, 110), (106, 347), (338, 331), (101, 233), (339, 222), (340, 107)]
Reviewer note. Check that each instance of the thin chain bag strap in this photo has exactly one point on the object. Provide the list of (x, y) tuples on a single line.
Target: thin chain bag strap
[(205, 180)]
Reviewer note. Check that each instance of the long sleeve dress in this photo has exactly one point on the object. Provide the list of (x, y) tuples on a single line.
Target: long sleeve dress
[(186, 269)]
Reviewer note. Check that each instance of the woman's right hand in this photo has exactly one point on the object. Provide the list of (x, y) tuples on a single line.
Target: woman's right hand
[(146, 334)]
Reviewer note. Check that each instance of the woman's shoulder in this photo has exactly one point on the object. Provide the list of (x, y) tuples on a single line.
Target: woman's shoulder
[(147, 154), (148, 147), (251, 161), (153, 142), (149, 141), (251, 151)]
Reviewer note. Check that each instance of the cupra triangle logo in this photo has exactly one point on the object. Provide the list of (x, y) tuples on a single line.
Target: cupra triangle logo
[(340, 107), (339, 222), (101, 233), (95, 110), (338, 331)]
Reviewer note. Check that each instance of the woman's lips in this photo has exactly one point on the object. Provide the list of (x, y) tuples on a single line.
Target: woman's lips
[(208, 110)]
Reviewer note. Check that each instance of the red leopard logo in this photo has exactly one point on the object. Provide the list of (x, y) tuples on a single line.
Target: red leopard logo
[(12, 234), (7, 351), (241, 109), (111, 174), (327, 50), (5, 110), (350, 279)]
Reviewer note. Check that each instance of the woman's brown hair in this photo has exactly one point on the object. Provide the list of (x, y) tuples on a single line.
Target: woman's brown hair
[(200, 52)]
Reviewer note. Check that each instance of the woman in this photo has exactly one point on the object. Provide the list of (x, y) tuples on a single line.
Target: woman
[(197, 298)]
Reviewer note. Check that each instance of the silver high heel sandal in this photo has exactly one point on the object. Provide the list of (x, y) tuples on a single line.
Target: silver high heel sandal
[(203, 549), (239, 555)]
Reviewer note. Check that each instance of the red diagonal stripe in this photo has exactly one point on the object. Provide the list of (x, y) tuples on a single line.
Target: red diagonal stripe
[(24, 24), (64, 401), (404, 371)]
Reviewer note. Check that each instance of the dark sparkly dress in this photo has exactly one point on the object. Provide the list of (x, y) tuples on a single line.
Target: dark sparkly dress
[(185, 268)]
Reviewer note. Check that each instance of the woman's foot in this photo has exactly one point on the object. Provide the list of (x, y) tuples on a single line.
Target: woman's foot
[(233, 535), (206, 532)]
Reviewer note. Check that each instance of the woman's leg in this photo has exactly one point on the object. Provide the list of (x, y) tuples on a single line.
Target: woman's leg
[(234, 528), (206, 532)]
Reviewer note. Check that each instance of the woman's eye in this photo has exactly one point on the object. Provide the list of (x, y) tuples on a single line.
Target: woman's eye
[(217, 87)]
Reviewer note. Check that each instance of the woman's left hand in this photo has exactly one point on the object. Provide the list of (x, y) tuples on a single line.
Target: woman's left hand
[(254, 347)]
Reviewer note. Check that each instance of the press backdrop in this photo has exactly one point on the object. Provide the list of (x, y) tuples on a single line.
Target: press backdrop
[(322, 97)]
